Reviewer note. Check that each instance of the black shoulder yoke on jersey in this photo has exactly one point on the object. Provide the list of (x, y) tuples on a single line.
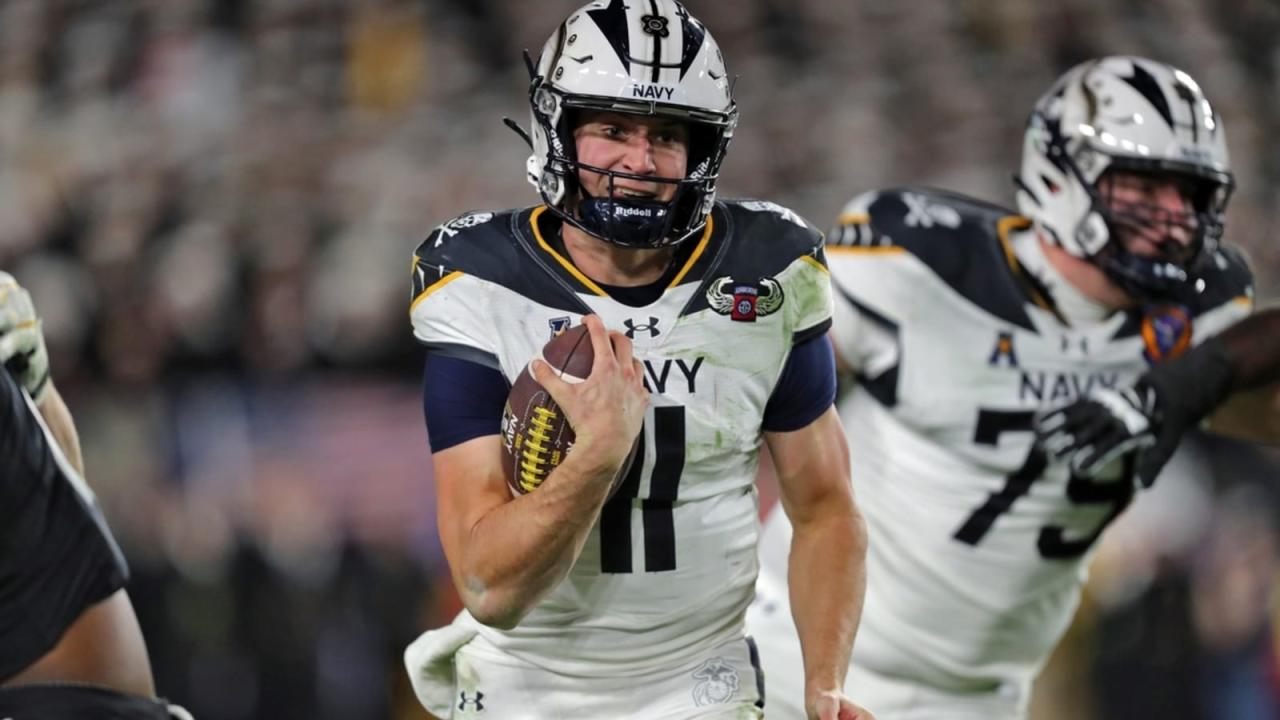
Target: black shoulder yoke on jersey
[(56, 555), (517, 249), (488, 246), (964, 241), (1228, 277)]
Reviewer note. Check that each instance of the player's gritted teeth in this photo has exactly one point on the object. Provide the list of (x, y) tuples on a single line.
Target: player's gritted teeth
[(634, 193)]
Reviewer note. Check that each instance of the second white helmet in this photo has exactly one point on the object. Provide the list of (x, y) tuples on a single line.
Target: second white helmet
[(1132, 114)]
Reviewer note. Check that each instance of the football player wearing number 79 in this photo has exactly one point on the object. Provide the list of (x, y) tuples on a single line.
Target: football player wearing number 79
[(596, 588), (960, 322)]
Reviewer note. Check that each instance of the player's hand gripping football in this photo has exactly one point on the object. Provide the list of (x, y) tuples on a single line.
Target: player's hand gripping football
[(833, 705), (607, 409), (1107, 424), (22, 348)]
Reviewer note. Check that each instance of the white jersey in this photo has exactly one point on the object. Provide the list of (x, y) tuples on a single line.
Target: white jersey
[(669, 567), (978, 545)]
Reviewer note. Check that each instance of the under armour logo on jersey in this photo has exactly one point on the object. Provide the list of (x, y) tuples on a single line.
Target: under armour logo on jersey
[(650, 327), (1083, 344), (475, 701), (1004, 351)]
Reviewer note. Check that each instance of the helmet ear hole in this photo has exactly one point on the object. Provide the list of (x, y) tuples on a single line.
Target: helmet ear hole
[(1092, 233)]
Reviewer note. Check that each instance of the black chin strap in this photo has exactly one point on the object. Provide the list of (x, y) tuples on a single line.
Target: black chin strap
[(515, 127)]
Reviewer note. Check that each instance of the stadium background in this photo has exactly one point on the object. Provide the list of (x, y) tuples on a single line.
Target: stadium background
[(214, 203)]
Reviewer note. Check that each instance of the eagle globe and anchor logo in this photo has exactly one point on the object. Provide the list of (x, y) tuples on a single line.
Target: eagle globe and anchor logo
[(718, 682)]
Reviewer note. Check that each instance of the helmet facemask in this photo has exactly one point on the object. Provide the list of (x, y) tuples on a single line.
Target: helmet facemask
[(627, 222), (1184, 240)]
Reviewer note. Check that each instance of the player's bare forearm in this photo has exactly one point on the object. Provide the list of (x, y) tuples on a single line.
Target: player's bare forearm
[(828, 547), (505, 553), (827, 580), (58, 417)]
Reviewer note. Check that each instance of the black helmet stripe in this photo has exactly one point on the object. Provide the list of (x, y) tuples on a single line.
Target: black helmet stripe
[(1145, 83), (612, 22), (693, 33), (1189, 96), (657, 44)]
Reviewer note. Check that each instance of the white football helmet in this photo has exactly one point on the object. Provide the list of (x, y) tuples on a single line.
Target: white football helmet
[(645, 58), (1131, 114)]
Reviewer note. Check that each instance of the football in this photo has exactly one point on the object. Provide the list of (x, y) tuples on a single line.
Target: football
[(536, 435)]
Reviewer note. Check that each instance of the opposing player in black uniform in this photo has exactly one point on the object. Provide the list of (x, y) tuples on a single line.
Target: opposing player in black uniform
[(70, 645), (961, 321)]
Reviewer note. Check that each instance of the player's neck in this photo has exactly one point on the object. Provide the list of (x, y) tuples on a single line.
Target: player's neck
[(612, 265), (1079, 289)]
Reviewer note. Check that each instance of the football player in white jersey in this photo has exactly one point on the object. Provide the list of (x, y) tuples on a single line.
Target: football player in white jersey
[(579, 605), (960, 321)]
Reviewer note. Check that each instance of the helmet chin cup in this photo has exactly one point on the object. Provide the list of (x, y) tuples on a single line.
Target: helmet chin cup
[(627, 223), (1147, 279)]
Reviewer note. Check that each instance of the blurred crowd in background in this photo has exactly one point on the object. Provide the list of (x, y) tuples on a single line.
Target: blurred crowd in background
[(214, 204)]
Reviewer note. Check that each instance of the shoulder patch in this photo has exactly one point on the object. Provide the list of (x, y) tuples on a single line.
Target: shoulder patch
[(761, 240)]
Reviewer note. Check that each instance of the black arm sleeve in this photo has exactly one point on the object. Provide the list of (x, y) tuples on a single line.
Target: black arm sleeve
[(806, 388), (461, 399)]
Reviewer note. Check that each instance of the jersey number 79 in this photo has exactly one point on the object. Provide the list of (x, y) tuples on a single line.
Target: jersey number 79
[(1053, 543)]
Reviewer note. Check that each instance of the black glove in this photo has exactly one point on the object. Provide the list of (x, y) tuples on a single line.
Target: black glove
[(1148, 418), (1106, 424)]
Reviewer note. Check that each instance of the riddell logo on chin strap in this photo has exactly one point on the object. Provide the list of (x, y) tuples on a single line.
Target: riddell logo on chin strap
[(628, 211)]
